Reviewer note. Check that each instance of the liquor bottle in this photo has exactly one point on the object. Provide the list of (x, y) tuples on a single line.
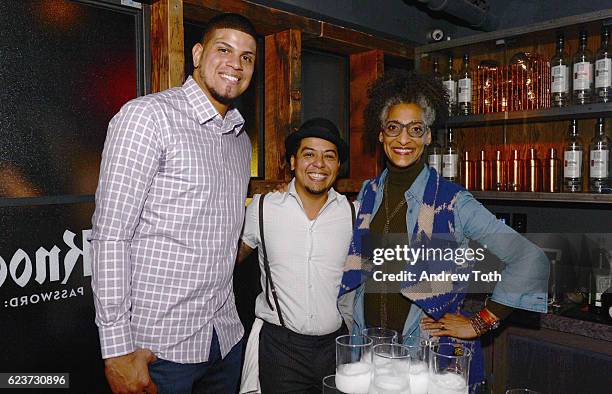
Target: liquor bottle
[(468, 173), (516, 172), (572, 160), (434, 154), (464, 90), (450, 158), (552, 172), (583, 72), (559, 74), (603, 69), (483, 172), (533, 172), (599, 158), (500, 172), (449, 80), (436, 69), (600, 275)]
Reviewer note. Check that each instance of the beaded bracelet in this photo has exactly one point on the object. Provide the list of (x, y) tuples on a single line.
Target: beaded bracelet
[(479, 325)]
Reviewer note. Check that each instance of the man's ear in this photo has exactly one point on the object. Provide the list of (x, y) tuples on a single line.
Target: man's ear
[(196, 52), (292, 162)]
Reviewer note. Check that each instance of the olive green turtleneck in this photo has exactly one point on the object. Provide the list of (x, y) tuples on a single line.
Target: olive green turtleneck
[(384, 306)]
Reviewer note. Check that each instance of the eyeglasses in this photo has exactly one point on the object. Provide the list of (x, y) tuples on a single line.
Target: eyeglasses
[(415, 129)]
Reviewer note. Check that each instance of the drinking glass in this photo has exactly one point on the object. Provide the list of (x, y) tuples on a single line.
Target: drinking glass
[(329, 385), (391, 369), (353, 363), (449, 366), (380, 335), (419, 361)]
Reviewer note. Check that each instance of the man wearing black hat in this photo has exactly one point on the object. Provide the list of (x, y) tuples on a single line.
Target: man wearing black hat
[(306, 234)]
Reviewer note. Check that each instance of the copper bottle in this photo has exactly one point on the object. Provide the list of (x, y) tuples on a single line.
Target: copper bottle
[(552, 172), (499, 172), (516, 172), (533, 172), (468, 172), (483, 172)]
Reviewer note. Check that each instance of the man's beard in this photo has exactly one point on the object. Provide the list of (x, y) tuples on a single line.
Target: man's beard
[(315, 191), (225, 100)]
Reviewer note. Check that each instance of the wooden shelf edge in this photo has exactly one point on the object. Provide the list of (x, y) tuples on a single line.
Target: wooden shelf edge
[(541, 115), (516, 31), (582, 198)]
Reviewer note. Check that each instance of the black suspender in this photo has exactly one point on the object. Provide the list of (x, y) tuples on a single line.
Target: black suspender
[(269, 282)]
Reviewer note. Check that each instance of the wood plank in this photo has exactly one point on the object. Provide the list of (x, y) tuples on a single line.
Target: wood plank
[(283, 98), (167, 53), (365, 156), (357, 41), (317, 34), (267, 20)]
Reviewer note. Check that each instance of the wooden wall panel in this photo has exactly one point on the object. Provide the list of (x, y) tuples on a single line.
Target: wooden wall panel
[(168, 59), (364, 153), (282, 98)]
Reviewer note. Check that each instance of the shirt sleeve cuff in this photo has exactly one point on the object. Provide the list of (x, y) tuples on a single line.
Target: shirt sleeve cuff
[(501, 311), (116, 340)]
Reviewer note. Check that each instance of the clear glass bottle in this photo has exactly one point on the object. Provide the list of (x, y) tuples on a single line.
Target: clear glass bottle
[(599, 159), (583, 72), (434, 154), (560, 75), (450, 158), (600, 276), (572, 160), (464, 88), (603, 68), (449, 80)]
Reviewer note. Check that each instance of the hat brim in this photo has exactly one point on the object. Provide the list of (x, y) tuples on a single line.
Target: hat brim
[(292, 141)]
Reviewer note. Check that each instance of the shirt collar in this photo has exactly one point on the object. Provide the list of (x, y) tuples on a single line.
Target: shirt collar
[(332, 195), (206, 112)]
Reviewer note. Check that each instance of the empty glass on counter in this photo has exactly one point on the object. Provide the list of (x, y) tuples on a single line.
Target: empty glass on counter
[(449, 365), (353, 363)]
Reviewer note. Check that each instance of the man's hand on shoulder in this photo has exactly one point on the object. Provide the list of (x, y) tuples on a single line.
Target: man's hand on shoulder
[(129, 373)]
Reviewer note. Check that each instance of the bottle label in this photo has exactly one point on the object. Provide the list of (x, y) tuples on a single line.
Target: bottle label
[(465, 90), (449, 165), (603, 73), (599, 163), (560, 81), (451, 88), (435, 162), (572, 165), (583, 75)]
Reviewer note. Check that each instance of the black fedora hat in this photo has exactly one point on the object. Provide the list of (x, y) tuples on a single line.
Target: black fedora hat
[(319, 128)]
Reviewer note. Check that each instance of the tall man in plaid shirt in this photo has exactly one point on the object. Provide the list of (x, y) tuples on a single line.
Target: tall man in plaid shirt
[(169, 211)]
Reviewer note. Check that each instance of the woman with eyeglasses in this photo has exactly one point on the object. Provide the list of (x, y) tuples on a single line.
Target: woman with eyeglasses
[(410, 201)]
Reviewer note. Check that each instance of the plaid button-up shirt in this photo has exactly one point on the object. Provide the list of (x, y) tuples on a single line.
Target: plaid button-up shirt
[(169, 211)]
